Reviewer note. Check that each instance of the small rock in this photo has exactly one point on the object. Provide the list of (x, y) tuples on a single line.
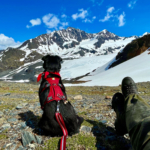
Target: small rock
[(2, 120), (7, 94), (7, 145), (32, 146), (41, 112), (31, 107), (4, 146), (20, 148), (23, 125), (13, 113), (39, 139), (108, 97), (24, 104), (1, 102), (12, 120), (13, 138), (89, 106), (6, 126), (6, 111), (84, 105), (1, 114), (13, 147), (78, 97), (19, 107), (99, 116), (85, 129), (37, 104), (103, 121)]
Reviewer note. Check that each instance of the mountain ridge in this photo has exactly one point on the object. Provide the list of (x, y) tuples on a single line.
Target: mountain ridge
[(69, 43)]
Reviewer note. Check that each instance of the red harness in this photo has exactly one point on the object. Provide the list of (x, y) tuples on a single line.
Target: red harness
[(55, 93)]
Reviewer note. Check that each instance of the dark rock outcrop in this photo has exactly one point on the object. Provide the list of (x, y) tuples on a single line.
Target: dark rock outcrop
[(11, 59)]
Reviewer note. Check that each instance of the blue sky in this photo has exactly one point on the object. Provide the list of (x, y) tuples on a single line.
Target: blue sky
[(22, 20)]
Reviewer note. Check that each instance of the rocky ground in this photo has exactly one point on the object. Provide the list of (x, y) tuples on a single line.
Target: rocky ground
[(20, 112)]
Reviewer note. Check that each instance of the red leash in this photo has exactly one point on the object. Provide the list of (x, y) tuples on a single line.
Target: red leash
[(64, 129)]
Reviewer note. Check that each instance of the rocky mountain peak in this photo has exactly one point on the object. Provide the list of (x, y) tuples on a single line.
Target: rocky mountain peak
[(71, 28), (104, 31), (146, 33)]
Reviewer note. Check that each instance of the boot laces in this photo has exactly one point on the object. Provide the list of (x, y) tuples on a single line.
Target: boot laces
[(130, 89)]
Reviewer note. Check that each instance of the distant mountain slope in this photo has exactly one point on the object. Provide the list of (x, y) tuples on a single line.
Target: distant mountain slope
[(69, 43)]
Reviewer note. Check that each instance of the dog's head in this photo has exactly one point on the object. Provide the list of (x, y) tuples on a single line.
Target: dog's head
[(52, 63)]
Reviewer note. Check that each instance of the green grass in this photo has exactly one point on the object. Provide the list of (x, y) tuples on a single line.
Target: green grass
[(3, 135), (7, 106), (72, 143)]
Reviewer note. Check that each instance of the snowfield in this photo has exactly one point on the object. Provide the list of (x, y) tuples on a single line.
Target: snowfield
[(137, 68), (78, 67)]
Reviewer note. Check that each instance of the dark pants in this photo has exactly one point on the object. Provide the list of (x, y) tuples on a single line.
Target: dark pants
[(137, 114)]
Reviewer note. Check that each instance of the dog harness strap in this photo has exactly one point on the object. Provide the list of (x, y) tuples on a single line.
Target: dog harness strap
[(47, 85), (46, 73), (39, 77), (55, 91)]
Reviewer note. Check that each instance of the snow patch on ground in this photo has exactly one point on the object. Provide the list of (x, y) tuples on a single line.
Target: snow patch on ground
[(38, 67)]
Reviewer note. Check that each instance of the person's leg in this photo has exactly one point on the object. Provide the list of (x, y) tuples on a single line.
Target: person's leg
[(137, 114), (146, 146), (118, 106)]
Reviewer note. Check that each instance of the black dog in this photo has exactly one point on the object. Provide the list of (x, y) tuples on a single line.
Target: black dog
[(48, 121)]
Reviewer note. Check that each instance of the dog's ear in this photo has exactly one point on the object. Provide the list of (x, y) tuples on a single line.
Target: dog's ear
[(44, 58)]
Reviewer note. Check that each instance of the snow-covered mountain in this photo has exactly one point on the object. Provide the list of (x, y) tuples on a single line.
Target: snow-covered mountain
[(75, 43), (103, 49), (69, 43)]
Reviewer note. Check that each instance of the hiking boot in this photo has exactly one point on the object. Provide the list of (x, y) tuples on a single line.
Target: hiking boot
[(128, 87), (118, 106)]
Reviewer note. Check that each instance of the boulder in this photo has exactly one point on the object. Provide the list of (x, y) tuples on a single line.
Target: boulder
[(28, 139)]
